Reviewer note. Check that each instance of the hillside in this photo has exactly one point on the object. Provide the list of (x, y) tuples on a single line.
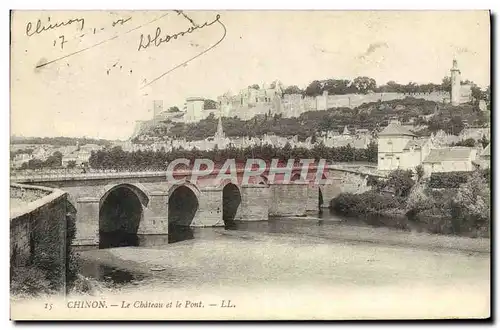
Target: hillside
[(369, 116), (58, 141)]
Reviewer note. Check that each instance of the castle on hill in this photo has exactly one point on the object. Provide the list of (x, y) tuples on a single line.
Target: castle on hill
[(269, 99)]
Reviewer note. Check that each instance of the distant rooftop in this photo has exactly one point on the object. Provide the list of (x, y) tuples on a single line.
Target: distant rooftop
[(395, 129), (448, 154), (416, 144)]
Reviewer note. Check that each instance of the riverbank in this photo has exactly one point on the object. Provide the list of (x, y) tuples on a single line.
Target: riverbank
[(223, 254), (293, 268), (460, 208)]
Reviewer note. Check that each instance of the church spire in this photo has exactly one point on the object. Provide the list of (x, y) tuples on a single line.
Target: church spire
[(220, 131)]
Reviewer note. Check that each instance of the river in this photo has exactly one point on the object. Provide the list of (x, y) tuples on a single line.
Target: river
[(305, 258)]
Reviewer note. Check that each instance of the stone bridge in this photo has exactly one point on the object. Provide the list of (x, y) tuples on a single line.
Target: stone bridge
[(146, 203)]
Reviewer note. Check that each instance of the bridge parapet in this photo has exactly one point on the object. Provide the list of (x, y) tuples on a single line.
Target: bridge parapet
[(46, 177)]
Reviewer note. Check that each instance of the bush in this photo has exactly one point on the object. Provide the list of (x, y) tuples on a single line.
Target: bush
[(471, 207), (448, 179), (455, 179), (401, 181), (29, 281), (368, 202)]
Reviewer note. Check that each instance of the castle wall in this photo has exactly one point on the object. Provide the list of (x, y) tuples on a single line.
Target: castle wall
[(295, 104)]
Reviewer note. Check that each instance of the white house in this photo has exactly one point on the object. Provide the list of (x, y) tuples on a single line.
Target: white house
[(455, 159), (400, 148)]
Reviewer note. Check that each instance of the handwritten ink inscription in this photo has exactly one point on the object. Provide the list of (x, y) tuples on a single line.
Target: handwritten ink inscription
[(157, 40), (40, 27), (145, 41)]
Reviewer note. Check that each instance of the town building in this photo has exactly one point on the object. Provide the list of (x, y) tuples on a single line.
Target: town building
[(399, 148), (454, 159)]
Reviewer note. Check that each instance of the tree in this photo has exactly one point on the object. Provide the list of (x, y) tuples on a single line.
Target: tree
[(254, 86), (472, 204), (470, 142), (419, 170), (372, 152), (209, 104), (456, 125), (173, 109), (294, 89), (35, 164), (71, 164), (53, 161), (315, 88), (364, 84), (476, 94), (446, 84), (401, 181), (484, 141)]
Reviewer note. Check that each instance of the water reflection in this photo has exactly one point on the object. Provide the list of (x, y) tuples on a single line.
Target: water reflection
[(179, 233), (109, 274), (117, 238), (169, 255)]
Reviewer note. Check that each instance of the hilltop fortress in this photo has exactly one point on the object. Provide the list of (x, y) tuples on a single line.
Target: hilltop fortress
[(270, 99)]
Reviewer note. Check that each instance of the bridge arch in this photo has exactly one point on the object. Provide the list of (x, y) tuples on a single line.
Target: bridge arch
[(231, 200), (183, 203), (121, 209)]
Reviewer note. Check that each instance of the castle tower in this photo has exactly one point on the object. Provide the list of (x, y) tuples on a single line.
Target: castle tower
[(194, 109), (157, 109), (455, 84)]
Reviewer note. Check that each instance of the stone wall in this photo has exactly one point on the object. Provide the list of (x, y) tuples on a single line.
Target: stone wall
[(209, 212), (254, 203), (288, 199), (38, 230), (351, 182), (295, 104)]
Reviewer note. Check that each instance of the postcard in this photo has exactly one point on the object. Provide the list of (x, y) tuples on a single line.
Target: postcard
[(250, 165)]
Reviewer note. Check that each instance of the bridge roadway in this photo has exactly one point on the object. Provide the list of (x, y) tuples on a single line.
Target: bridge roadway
[(146, 203)]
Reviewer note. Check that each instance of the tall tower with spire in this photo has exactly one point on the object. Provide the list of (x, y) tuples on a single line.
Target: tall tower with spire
[(220, 137), (455, 83), (220, 131)]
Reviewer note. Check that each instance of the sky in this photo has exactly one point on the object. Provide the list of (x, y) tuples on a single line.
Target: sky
[(88, 77)]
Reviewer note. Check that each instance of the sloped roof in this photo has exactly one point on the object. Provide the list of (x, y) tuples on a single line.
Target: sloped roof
[(448, 154), (416, 144), (395, 129)]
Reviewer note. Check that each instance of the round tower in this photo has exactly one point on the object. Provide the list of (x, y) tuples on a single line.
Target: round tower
[(194, 109), (455, 83)]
